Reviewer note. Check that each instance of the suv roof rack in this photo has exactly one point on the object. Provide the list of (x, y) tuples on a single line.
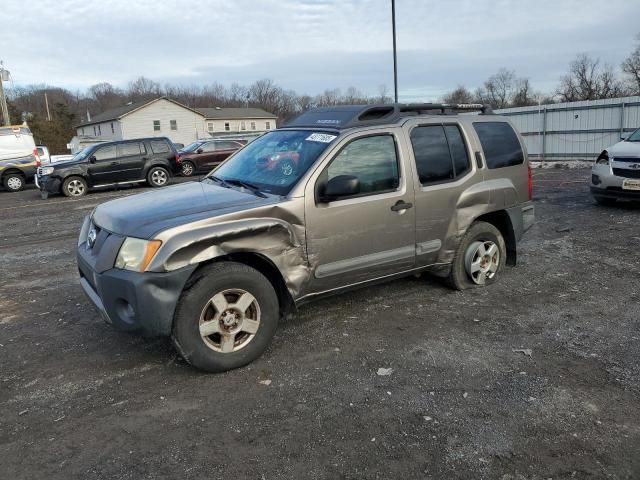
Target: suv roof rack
[(347, 116)]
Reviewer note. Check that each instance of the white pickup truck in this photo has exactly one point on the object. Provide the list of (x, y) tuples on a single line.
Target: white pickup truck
[(18, 157)]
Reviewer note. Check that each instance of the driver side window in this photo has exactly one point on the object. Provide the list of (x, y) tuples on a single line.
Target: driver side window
[(373, 160), (209, 147), (105, 153)]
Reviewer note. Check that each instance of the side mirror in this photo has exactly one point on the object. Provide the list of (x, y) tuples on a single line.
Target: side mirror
[(340, 186), (624, 136), (92, 159), (199, 150)]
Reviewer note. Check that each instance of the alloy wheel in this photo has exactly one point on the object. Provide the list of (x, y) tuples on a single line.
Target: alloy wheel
[(75, 188), (482, 259), (230, 320)]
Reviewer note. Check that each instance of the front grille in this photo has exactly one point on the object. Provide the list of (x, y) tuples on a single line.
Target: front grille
[(626, 173)]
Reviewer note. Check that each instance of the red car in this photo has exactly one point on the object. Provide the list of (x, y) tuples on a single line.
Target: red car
[(205, 155), (285, 162)]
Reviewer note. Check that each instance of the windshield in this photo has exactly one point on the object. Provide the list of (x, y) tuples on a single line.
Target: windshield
[(275, 161), (634, 137), (82, 154), (192, 147)]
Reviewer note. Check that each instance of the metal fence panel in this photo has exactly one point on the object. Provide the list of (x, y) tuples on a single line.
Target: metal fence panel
[(575, 130)]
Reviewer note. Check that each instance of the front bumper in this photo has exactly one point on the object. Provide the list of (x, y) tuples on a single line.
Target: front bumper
[(615, 193), (142, 302), (48, 184)]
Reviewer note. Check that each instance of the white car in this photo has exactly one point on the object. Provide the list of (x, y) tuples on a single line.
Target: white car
[(43, 154), (615, 175)]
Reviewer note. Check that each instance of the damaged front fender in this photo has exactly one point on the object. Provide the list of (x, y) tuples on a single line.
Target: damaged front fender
[(273, 238)]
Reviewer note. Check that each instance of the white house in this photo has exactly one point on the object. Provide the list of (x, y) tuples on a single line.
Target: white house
[(164, 117)]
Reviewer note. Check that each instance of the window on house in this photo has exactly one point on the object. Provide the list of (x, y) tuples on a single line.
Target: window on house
[(99, 131), (113, 130), (243, 125), (156, 125), (173, 124), (82, 131), (209, 126), (253, 125), (227, 126), (267, 125), (95, 132)]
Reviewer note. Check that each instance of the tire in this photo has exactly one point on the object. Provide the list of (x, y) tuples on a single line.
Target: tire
[(287, 168), (74, 187), (187, 169), (224, 284), (605, 201), (13, 182), (474, 263), (158, 177)]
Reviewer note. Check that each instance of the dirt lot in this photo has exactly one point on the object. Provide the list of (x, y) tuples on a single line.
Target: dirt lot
[(80, 400)]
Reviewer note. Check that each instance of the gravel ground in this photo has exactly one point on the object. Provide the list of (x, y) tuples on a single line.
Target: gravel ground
[(535, 377)]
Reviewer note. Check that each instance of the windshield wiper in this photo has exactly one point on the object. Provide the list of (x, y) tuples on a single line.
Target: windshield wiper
[(248, 186), (222, 182)]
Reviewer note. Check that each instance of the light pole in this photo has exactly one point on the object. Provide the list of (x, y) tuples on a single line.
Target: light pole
[(395, 56), (4, 74)]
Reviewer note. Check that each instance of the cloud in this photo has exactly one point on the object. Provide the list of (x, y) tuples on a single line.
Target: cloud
[(310, 45)]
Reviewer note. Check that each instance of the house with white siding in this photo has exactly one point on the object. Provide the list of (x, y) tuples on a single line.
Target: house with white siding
[(164, 117)]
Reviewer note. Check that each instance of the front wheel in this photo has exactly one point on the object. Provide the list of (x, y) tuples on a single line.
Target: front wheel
[(187, 169), (74, 187), (226, 318), (158, 176), (479, 258)]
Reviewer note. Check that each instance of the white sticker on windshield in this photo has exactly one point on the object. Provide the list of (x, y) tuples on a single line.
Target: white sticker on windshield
[(321, 137)]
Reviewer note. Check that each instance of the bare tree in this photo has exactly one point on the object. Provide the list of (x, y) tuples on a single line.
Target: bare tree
[(383, 94), (459, 95), (105, 96), (631, 67), (143, 88), (588, 80)]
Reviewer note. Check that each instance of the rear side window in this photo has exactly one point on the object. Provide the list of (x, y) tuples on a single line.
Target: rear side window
[(373, 160), (130, 149), (500, 144), (440, 153), (159, 146)]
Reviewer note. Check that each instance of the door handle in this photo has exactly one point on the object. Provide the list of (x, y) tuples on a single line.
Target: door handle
[(400, 205)]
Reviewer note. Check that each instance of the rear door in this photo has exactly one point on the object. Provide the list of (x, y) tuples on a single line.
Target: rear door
[(132, 157), (368, 235), (224, 149), (443, 171), (103, 165)]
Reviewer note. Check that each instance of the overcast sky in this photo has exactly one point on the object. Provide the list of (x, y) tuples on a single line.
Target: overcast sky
[(310, 45)]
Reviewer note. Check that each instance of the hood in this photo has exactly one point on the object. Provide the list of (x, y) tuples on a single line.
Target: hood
[(625, 149), (146, 214), (67, 163)]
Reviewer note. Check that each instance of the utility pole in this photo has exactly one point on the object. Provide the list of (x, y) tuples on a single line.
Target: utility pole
[(395, 55), (4, 75), (46, 102)]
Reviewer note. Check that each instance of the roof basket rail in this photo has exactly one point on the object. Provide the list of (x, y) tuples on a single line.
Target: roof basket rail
[(446, 108)]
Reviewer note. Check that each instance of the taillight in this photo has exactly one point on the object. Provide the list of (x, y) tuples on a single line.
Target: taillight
[(530, 182), (35, 154), (178, 159)]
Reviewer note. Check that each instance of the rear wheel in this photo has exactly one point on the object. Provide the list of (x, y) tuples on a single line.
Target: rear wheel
[(226, 318), (480, 256), (74, 187), (13, 182), (158, 176), (187, 168)]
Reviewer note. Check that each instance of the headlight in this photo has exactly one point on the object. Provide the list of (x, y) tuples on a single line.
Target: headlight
[(603, 158), (46, 170), (136, 254)]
